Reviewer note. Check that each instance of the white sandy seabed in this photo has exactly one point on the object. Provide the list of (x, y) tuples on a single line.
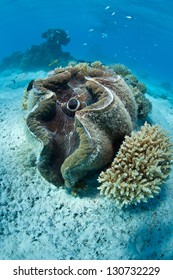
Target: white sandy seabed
[(40, 221)]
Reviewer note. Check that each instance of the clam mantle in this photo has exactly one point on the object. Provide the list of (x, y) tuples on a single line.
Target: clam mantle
[(81, 114)]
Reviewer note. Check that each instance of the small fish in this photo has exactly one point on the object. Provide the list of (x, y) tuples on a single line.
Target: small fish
[(107, 7), (90, 30), (85, 44), (53, 62), (104, 35), (113, 13), (129, 17)]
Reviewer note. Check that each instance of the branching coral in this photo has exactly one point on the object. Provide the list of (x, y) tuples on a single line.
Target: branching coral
[(141, 166)]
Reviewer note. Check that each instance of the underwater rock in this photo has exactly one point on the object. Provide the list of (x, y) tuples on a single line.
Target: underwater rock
[(81, 115), (138, 88), (47, 55), (121, 69)]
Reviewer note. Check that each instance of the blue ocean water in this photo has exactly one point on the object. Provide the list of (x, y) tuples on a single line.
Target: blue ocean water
[(136, 33)]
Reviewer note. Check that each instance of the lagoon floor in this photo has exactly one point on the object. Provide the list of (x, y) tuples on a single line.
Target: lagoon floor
[(40, 221)]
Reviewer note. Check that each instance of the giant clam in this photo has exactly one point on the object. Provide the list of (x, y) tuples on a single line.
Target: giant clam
[(81, 114)]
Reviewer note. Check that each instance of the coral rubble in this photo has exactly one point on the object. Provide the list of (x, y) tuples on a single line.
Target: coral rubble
[(140, 167)]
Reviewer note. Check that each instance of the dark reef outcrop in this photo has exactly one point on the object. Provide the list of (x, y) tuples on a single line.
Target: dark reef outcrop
[(47, 55)]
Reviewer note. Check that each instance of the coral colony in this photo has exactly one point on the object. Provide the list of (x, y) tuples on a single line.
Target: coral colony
[(86, 116), (47, 55), (141, 166)]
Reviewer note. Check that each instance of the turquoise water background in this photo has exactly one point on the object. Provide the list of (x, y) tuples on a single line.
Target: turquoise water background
[(136, 33)]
